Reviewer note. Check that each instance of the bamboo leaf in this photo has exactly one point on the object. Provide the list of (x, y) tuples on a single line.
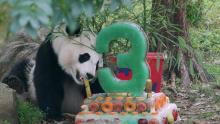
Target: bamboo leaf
[(154, 42), (182, 43), (24, 20), (114, 5), (15, 26), (88, 8), (178, 60), (46, 7), (44, 19), (127, 3), (191, 68)]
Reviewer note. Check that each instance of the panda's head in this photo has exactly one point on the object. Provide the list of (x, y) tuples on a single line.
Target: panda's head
[(76, 55)]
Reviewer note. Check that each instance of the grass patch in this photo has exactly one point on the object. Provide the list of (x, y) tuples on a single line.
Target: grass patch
[(208, 91), (28, 113), (214, 70), (217, 99), (192, 97), (190, 121), (6, 122), (206, 115)]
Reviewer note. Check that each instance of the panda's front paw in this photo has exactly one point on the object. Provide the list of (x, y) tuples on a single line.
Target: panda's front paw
[(14, 83)]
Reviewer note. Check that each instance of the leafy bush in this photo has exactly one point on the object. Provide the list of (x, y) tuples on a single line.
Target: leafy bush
[(214, 70), (31, 14), (6, 122), (205, 37), (4, 21), (29, 114), (195, 11)]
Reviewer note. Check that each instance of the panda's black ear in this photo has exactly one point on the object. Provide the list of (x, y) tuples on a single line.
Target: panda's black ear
[(76, 32)]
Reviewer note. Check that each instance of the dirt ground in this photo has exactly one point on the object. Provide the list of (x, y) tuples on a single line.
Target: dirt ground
[(199, 104)]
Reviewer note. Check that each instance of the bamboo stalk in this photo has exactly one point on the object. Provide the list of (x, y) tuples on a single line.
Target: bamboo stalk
[(87, 86)]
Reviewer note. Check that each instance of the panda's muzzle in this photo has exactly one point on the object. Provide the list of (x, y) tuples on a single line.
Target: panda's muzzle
[(78, 77), (90, 77)]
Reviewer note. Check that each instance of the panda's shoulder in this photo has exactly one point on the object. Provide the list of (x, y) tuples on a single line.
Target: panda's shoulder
[(47, 42), (45, 48), (47, 60)]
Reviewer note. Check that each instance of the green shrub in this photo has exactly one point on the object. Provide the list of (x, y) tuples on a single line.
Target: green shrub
[(29, 114), (214, 70), (205, 36), (6, 122)]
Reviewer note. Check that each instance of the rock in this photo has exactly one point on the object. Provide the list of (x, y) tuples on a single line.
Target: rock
[(217, 62), (8, 111), (202, 95), (217, 93)]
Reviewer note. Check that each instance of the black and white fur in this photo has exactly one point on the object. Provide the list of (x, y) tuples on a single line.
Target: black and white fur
[(54, 79)]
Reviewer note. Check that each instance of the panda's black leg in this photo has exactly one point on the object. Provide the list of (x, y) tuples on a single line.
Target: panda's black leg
[(50, 101), (52, 109)]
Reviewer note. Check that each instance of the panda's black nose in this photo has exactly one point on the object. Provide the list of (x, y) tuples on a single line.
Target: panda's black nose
[(89, 76)]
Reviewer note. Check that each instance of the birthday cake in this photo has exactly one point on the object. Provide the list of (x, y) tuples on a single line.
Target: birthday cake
[(121, 108), (126, 101)]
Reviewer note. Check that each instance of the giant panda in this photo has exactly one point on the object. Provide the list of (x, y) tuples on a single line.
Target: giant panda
[(54, 80)]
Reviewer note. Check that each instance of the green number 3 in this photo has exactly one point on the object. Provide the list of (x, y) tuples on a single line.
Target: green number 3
[(134, 59)]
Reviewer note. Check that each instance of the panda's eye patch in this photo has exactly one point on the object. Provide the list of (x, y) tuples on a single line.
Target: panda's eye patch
[(84, 57)]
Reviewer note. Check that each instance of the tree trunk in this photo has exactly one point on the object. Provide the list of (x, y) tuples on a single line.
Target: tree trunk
[(184, 71), (182, 22), (175, 10), (157, 12), (200, 70)]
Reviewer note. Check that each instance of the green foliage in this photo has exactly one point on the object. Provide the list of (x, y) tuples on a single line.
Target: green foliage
[(4, 19), (205, 37), (29, 114), (206, 115), (107, 17), (3, 14), (119, 46), (203, 16), (6, 122), (214, 70), (208, 91), (138, 15), (31, 14), (195, 11), (217, 99), (206, 41)]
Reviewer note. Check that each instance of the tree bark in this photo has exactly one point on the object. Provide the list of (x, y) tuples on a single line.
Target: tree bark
[(158, 11), (200, 70), (175, 10), (184, 71), (180, 20), (187, 55)]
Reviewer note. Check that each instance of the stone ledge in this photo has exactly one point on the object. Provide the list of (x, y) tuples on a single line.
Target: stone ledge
[(8, 110)]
